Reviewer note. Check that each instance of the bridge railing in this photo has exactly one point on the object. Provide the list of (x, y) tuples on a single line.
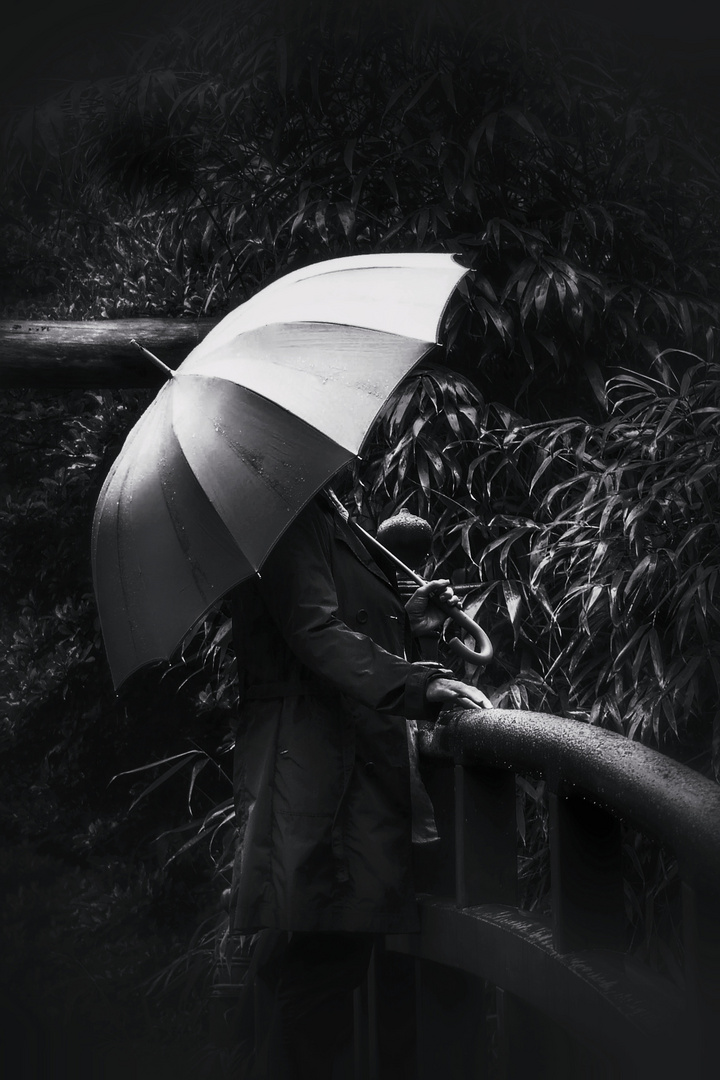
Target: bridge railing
[(504, 992)]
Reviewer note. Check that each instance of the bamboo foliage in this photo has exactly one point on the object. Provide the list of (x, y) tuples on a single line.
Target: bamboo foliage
[(265, 136), (593, 548)]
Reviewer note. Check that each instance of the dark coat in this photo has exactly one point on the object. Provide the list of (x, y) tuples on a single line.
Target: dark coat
[(322, 760)]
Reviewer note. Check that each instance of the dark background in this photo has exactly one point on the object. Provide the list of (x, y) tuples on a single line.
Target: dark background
[(46, 42)]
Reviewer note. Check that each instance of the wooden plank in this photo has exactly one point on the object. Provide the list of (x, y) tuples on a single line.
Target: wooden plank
[(396, 1014), (360, 1065), (97, 354)]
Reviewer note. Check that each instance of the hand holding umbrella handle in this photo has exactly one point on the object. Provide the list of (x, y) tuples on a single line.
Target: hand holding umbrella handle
[(484, 652)]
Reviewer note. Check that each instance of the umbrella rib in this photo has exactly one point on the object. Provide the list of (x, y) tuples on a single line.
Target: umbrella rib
[(220, 346), (314, 432), (275, 404), (119, 526), (331, 267), (428, 347), (179, 532), (332, 323)]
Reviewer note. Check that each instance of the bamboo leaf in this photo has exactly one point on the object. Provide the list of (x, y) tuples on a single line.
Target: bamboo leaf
[(447, 84), (656, 655), (157, 783), (513, 601), (197, 768), (596, 380), (640, 634), (183, 757), (598, 557), (545, 464), (349, 153)]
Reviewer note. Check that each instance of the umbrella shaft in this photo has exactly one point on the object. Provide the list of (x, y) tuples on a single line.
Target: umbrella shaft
[(375, 543), (398, 562), (155, 359)]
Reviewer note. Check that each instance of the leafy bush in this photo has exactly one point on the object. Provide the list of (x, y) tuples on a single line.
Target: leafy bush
[(256, 137), (96, 905), (592, 546), (608, 560)]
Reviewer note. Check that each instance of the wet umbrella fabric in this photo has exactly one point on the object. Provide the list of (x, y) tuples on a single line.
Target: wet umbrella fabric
[(274, 401)]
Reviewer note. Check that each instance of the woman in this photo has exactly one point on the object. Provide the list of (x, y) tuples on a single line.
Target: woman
[(328, 674)]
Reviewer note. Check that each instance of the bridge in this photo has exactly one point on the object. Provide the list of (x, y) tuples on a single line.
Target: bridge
[(489, 990), (504, 992)]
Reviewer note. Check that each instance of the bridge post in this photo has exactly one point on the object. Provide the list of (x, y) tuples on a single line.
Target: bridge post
[(475, 862)]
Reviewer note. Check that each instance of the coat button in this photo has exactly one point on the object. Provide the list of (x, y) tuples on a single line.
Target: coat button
[(362, 616)]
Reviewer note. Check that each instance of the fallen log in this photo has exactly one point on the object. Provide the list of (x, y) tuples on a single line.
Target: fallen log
[(97, 355)]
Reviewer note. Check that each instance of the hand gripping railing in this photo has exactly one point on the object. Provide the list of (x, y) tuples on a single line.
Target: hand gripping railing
[(572, 1001)]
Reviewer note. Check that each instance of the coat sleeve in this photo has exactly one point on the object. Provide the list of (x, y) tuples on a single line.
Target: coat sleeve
[(297, 585)]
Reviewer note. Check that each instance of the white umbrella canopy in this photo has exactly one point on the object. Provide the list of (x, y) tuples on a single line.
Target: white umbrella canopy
[(262, 413)]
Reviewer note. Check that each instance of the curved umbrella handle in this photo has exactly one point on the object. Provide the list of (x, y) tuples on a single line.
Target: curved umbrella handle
[(483, 652)]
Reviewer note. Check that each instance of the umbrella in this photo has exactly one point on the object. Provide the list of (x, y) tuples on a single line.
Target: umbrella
[(261, 415)]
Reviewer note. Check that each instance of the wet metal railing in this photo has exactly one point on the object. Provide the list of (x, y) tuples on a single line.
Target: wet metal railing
[(505, 993)]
